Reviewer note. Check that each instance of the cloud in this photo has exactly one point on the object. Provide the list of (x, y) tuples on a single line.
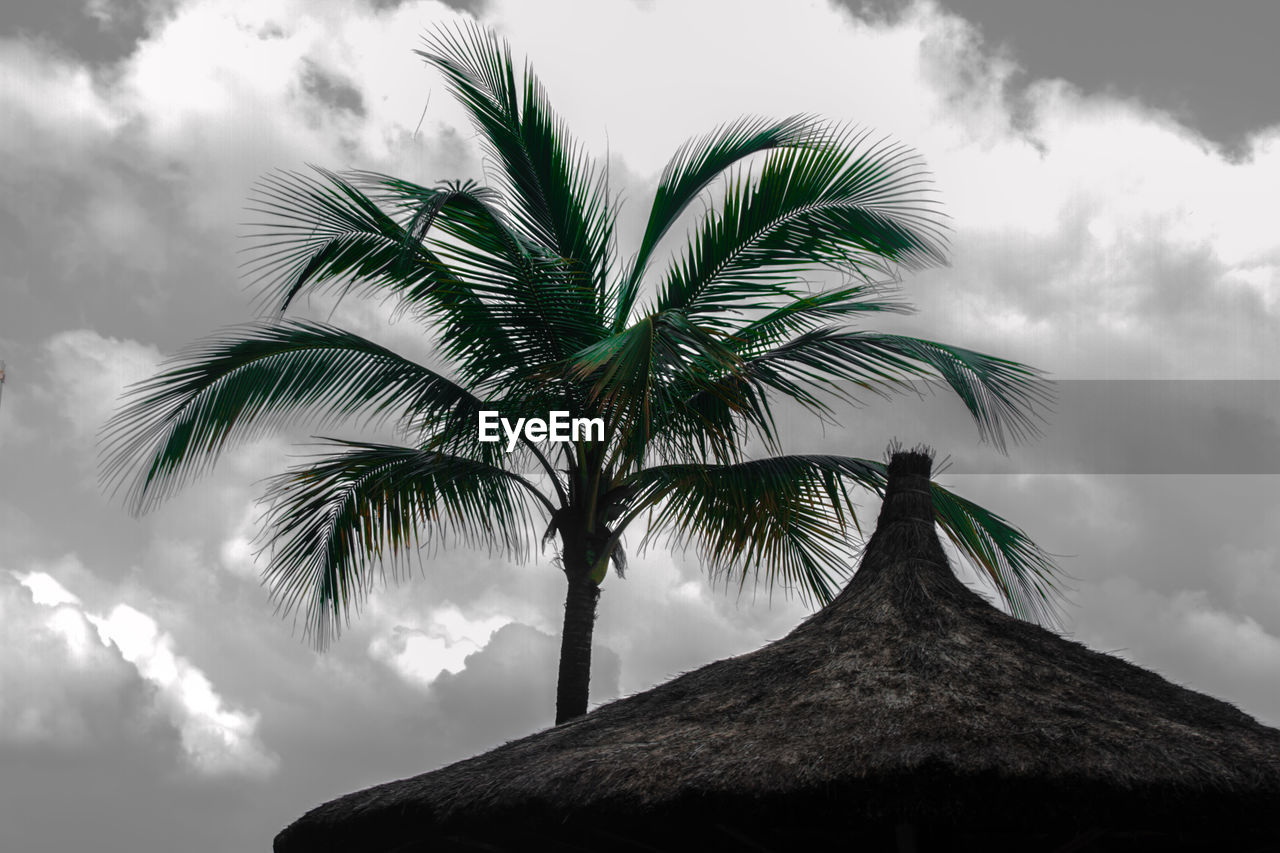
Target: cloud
[(88, 373), (236, 554), (33, 80), (332, 91), (215, 740), (420, 655), (504, 691), (46, 590), (1185, 638), (60, 687)]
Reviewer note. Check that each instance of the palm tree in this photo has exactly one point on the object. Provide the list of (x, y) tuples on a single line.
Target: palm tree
[(533, 313)]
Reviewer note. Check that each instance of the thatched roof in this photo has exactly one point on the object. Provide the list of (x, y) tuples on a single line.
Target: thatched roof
[(909, 709)]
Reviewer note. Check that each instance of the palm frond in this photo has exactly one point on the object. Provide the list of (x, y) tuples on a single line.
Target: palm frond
[(786, 517), (326, 234), (524, 288), (826, 204), (329, 235), (1002, 396), (259, 377), (334, 521), (554, 193), (783, 518), (805, 312), (629, 374), (1023, 574), (691, 169), (711, 410)]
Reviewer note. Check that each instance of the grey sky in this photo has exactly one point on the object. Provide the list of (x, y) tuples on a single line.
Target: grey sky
[(150, 699), (1213, 66), (101, 32)]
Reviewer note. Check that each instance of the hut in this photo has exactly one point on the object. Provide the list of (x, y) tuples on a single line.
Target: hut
[(909, 714)]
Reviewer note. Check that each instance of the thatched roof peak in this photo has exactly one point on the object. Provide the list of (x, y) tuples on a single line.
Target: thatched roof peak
[(904, 583), (907, 496), (908, 701), (918, 461)]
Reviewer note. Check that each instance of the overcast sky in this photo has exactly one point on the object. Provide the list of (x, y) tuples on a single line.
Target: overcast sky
[(1110, 170)]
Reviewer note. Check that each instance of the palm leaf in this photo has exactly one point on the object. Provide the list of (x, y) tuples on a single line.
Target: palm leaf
[(333, 520), (826, 204), (1023, 574), (630, 374), (710, 410), (784, 518), (258, 377), (1002, 396), (329, 235), (530, 292), (691, 169), (553, 192)]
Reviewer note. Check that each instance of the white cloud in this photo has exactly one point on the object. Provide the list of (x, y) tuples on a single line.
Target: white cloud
[(60, 687), (45, 589), (88, 372), (236, 553), (441, 644), (32, 81), (220, 87), (215, 739)]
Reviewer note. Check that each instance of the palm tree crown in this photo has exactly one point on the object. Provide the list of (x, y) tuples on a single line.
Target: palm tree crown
[(533, 312)]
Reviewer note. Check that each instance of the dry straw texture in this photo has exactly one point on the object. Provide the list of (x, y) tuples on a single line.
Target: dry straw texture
[(908, 714)]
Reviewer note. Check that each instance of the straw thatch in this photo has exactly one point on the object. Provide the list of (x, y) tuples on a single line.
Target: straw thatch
[(908, 714)]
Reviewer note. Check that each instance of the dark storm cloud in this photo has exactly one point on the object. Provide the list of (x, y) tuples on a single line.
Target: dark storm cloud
[(1210, 65), (95, 32), (74, 263), (332, 89)]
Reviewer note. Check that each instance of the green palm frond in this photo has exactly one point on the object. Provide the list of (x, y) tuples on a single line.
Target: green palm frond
[(334, 520), (826, 204), (553, 192), (809, 311), (528, 291), (631, 374), (1002, 396), (707, 414), (784, 518), (1023, 574), (325, 235), (258, 377), (691, 169)]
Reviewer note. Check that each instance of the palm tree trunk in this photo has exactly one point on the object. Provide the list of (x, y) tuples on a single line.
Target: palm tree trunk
[(575, 647)]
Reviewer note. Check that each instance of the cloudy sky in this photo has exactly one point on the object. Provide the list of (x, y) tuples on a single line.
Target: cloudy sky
[(1109, 169)]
